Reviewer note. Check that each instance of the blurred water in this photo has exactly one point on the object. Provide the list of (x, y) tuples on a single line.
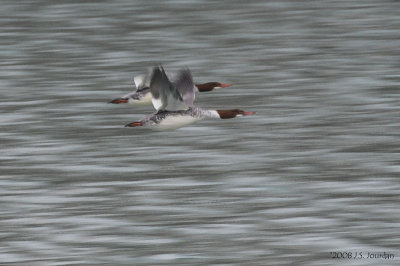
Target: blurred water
[(315, 171)]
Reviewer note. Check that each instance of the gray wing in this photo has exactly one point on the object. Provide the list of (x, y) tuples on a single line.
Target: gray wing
[(183, 82), (165, 95)]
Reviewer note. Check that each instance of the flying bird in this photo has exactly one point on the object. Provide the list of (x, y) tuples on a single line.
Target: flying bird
[(142, 94), (173, 101)]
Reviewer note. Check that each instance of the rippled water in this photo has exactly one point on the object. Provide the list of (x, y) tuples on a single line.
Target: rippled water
[(315, 171)]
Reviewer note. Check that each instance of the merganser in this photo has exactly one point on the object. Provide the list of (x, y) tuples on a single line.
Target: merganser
[(174, 103), (142, 94)]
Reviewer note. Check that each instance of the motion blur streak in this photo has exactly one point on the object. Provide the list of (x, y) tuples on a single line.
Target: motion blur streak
[(314, 171)]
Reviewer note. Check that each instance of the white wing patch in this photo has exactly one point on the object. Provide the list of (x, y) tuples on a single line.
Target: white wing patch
[(140, 81), (157, 103)]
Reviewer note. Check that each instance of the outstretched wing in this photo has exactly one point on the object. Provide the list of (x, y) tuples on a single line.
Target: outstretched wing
[(183, 82), (165, 95)]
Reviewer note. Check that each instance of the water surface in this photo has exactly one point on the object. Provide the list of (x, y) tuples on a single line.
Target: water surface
[(315, 171)]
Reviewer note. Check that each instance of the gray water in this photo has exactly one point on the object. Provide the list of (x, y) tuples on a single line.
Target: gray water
[(315, 171)]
